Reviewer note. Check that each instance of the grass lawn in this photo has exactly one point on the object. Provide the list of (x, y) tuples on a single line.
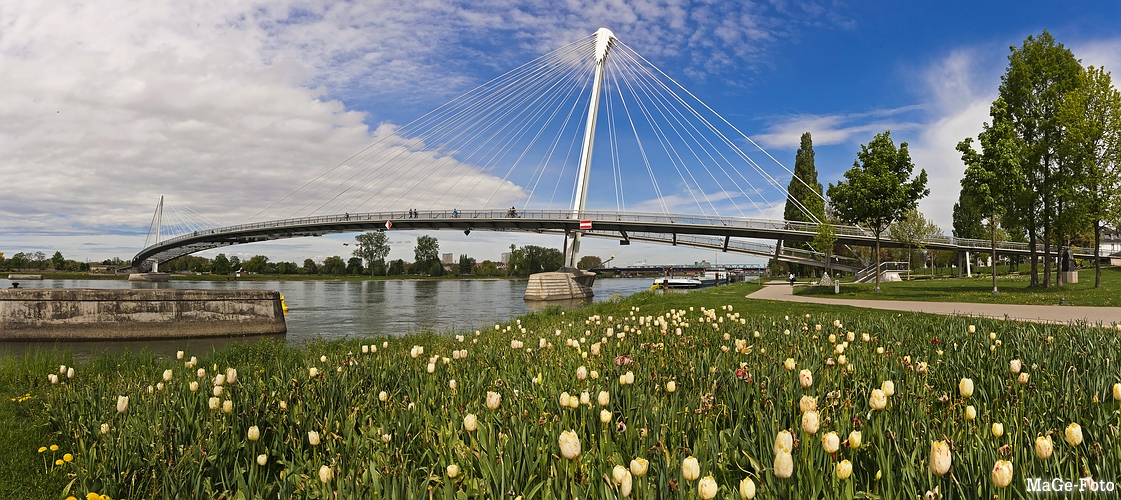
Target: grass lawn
[(1013, 290), (696, 392)]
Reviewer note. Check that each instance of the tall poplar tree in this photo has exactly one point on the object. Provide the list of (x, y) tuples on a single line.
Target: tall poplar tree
[(804, 202), (878, 189)]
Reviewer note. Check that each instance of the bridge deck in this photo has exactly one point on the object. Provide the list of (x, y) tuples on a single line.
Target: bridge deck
[(701, 231)]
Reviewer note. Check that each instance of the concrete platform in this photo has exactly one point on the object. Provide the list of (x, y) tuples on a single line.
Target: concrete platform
[(87, 314)]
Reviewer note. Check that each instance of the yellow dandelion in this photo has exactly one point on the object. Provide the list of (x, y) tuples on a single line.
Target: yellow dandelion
[(58, 462), (54, 447), (68, 458), (42, 449), (92, 496)]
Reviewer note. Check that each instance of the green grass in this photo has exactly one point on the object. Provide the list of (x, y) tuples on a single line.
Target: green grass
[(1013, 289), (733, 396)]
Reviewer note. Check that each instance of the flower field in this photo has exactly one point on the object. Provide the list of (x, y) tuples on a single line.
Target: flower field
[(698, 395)]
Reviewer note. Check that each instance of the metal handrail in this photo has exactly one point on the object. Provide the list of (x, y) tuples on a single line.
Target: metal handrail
[(807, 228)]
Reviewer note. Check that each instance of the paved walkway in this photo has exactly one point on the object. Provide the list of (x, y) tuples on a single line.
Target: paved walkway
[(1049, 314)]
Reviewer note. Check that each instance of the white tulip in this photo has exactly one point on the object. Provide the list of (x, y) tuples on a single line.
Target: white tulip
[(313, 438), (888, 387), (122, 404), (325, 474), (254, 433), (854, 439), (998, 429), (262, 459), (1044, 447), (569, 444), (1002, 474), (453, 471), (639, 467), (784, 465), (843, 470), (811, 422), (470, 422), (1073, 434), (707, 488), (747, 489), (690, 469), (965, 387), (494, 399), (940, 458), (830, 442)]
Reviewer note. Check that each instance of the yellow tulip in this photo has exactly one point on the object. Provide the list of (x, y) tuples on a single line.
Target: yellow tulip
[(569, 444)]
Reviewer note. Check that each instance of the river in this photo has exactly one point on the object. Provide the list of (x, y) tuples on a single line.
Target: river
[(348, 309)]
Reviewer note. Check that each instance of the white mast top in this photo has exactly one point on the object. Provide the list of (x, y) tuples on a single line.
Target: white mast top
[(604, 37)]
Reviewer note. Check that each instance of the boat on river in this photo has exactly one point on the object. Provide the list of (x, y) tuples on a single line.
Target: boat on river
[(709, 278)]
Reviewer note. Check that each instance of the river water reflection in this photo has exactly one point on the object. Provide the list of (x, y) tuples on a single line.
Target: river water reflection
[(355, 309)]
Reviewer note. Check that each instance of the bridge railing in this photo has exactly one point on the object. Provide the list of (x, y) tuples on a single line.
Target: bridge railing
[(595, 215)]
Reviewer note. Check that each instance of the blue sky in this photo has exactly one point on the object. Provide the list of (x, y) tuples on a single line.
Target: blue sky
[(225, 108)]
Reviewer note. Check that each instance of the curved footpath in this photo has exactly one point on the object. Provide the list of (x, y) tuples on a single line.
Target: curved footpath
[(780, 290)]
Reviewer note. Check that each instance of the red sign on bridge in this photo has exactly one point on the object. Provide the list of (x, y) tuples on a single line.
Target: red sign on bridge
[(585, 224)]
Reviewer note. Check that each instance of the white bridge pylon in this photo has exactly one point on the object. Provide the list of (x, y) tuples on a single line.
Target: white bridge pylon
[(604, 38)]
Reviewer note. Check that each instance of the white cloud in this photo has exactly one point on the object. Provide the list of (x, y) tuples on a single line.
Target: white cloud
[(227, 107), (835, 129)]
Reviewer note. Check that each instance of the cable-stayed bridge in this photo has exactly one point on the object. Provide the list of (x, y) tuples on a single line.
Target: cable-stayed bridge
[(516, 154)]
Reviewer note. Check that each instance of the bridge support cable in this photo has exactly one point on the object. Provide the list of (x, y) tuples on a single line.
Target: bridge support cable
[(482, 138), (747, 158), (694, 139)]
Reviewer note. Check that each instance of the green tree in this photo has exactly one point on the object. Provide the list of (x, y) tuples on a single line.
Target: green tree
[(334, 266), (354, 265), (1040, 73), (589, 262), (535, 259), (426, 255), (878, 189), (397, 267), (803, 195), (969, 222), (19, 261), (466, 265), (310, 267), (993, 180), (256, 264), (287, 268), (58, 261), (235, 263), (824, 241), (913, 230), (1092, 115), (487, 268), (373, 247), (220, 265)]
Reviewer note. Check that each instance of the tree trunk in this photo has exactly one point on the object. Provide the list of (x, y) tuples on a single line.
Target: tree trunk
[(1034, 257), (1097, 255), (992, 233), (877, 261), (1046, 254)]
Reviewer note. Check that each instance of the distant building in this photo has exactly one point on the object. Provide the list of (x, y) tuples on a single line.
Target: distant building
[(447, 259), (1111, 244)]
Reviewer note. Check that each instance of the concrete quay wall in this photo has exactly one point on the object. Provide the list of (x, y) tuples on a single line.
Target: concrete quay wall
[(87, 314)]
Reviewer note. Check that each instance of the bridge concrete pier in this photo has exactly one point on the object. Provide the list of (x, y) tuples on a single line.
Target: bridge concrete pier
[(566, 284)]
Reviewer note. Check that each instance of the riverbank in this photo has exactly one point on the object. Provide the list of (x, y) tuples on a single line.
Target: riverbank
[(702, 374)]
